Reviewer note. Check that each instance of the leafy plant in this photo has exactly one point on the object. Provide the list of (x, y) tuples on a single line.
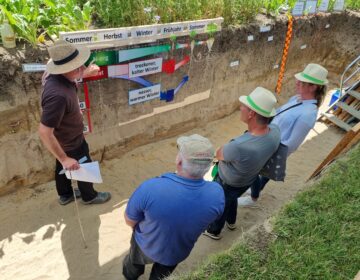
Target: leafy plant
[(31, 19)]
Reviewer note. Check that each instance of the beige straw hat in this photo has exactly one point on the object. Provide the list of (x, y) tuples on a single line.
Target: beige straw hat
[(260, 100), (313, 74), (65, 57)]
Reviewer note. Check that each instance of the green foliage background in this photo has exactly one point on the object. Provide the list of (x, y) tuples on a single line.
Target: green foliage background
[(34, 19)]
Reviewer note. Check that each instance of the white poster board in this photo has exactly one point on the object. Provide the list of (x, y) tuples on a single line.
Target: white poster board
[(324, 6), (298, 9), (310, 7), (339, 5)]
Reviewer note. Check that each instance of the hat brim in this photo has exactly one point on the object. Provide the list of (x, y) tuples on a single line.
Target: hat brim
[(243, 100), (79, 60), (301, 78)]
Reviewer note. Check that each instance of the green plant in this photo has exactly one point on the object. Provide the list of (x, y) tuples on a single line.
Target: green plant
[(31, 19)]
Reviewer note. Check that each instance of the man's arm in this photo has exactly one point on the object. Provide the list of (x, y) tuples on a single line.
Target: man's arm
[(219, 153), (91, 70), (47, 137), (129, 222)]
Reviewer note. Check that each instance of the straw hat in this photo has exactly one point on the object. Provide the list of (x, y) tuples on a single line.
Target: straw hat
[(313, 74), (260, 100), (65, 57)]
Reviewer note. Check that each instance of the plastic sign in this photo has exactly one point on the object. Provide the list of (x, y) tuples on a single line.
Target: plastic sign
[(310, 7), (145, 67), (324, 6), (144, 94), (265, 28), (34, 67), (298, 9), (339, 5), (138, 34)]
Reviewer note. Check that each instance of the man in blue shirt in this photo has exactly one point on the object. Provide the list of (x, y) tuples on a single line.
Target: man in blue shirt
[(168, 213)]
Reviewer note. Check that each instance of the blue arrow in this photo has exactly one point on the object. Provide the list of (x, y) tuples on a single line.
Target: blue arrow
[(137, 80), (184, 80), (169, 94)]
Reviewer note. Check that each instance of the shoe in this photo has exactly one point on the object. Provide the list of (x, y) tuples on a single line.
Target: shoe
[(101, 197), (211, 235), (231, 226), (247, 193), (66, 199), (246, 202)]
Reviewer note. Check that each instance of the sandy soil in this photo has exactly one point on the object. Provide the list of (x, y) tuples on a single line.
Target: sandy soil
[(40, 239)]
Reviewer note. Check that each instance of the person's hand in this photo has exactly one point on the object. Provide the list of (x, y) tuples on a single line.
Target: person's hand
[(70, 164), (91, 70)]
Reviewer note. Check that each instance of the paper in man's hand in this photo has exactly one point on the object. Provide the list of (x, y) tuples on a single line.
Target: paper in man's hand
[(88, 172)]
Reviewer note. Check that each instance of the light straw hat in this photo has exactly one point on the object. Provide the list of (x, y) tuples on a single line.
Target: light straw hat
[(313, 74), (260, 100), (65, 57)]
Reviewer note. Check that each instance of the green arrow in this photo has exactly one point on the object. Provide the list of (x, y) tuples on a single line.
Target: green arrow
[(125, 55), (211, 28)]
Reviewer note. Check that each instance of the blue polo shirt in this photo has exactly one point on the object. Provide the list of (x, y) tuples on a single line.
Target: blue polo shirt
[(172, 212)]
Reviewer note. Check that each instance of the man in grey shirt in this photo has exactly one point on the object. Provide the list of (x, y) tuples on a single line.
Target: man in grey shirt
[(241, 160)]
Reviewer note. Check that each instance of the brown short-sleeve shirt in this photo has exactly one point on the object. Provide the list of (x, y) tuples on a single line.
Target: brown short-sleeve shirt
[(61, 111)]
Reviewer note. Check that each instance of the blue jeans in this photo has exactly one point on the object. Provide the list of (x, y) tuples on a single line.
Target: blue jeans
[(230, 210), (258, 186)]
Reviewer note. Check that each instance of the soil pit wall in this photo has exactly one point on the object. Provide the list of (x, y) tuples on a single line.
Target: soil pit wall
[(212, 91)]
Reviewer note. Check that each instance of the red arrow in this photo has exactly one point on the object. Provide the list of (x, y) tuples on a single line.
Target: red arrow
[(102, 74), (170, 67)]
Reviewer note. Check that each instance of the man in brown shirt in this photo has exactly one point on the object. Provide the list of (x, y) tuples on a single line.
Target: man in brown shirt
[(61, 126)]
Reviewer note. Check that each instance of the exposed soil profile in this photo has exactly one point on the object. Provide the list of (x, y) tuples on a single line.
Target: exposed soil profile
[(41, 240), (212, 91)]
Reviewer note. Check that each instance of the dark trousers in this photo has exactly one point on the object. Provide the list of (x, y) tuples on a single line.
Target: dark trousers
[(134, 264), (230, 210), (63, 184), (258, 185)]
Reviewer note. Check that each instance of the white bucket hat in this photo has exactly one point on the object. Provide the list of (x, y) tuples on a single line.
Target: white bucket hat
[(313, 74), (65, 57), (260, 100)]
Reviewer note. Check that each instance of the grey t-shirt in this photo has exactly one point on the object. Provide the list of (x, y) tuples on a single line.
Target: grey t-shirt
[(246, 155)]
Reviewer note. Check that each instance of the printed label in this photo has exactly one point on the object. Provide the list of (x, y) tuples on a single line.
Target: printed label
[(144, 94), (33, 67), (112, 35), (298, 9), (250, 38), (324, 6), (172, 29), (234, 63), (145, 67), (143, 32), (197, 26), (310, 7), (265, 28)]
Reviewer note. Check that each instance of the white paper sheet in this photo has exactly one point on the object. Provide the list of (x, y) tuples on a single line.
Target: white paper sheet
[(88, 172)]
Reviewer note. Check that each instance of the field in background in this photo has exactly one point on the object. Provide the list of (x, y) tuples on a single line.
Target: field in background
[(38, 20)]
